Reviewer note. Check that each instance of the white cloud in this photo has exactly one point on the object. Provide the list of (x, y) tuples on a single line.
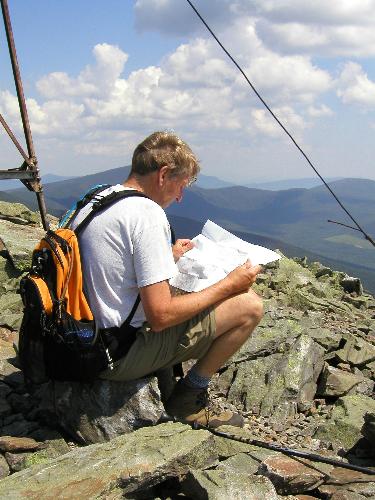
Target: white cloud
[(337, 27), (319, 111), (347, 40), (320, 11), (292, 77), (196, 90), (355, 87), (264, 122), (178, 18), (93, 79)]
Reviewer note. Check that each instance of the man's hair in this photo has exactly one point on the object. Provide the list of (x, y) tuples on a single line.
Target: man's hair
[(164, 148)]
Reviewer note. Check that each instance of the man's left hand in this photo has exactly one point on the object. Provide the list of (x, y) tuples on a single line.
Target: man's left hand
[(180, 247)]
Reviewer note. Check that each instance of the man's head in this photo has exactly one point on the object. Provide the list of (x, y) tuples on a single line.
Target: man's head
[(164, 149)]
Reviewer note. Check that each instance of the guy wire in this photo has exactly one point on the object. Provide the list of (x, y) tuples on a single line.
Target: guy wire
[(280, 123)]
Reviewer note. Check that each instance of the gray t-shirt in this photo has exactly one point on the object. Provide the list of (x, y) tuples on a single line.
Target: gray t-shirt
[(125, 247)]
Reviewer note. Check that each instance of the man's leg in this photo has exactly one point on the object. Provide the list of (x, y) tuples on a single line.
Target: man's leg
[(236, 319)]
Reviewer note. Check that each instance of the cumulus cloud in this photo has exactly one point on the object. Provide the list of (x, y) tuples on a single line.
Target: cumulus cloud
[(355, 87), (342, 12), (319, 111), (178, 18), (338, 27), (196, 89), (347, 40), (264, 122), (92, 80)]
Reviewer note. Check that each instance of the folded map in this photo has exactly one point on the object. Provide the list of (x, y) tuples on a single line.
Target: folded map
[(215, 254)]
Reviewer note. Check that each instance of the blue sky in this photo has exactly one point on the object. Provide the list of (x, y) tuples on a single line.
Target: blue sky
[(100, 76)]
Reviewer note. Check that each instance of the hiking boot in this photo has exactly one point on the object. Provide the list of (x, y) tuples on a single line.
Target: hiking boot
[(192, 405)]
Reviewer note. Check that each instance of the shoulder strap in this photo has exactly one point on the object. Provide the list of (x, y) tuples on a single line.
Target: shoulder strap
[(100, 204), (72, 213), (104, 202)]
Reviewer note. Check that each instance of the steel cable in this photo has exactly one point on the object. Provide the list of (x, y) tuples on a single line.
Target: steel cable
[(359, 228)]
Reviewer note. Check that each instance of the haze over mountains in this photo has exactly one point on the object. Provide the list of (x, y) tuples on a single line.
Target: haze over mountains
[(293, 220)]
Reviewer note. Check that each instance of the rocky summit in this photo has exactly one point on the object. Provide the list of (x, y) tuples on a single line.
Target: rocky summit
[(305, 380)]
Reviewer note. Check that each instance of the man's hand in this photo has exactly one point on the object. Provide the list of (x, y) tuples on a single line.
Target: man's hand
[(180, 247), (243, 277)]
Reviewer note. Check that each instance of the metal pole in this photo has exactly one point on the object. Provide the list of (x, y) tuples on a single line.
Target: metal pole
[(32, 161), (17, 79), (14, 139)]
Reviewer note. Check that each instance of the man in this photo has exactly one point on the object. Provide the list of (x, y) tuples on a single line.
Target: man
[(126, 250)]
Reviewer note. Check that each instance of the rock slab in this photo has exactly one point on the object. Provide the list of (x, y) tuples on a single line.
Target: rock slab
[(125, 465), (98, 412)]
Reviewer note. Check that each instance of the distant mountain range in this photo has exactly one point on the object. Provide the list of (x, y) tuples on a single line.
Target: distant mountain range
[(293, 220), (10, 184), (211, 182)]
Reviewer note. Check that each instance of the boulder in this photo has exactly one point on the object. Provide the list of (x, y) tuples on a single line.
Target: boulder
[(335, 382), (262, 384), (346, 484), (117, 469), (222, 484), (15, 444), (18, 213), (48, 450), (11, 310), (347, 418), (18, 242), (352, 285), (242, 463), (368, 429), (290, 476), (356, 351), (4, 467), (100, 411)]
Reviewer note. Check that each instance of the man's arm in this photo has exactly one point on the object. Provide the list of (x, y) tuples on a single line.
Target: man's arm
[(164, 310)]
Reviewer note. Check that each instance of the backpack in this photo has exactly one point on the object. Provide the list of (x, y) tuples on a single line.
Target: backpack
[(58, 336)]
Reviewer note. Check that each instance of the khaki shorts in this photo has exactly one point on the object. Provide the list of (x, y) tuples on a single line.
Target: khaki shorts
[(152, 351)]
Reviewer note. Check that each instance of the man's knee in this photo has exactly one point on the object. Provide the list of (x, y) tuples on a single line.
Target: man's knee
[(253, 309), (243, 311)]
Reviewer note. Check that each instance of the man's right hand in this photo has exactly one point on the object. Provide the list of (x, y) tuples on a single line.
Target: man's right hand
[(243, 277)]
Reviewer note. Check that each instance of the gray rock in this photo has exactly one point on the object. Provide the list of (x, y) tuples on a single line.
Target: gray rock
[(262, 384), (357, 352), (100, 411), (51, 449), (365, 387), (368, 429), (346, 484), (125, 465), (352, 285), (5, 408), (326, 338), (19, 428), (222, 484), (16, 444), (241, 463), (335, 382), (4, 468), (346, 421), (18, 242), (18, 213), (11, 310), (291, 476)]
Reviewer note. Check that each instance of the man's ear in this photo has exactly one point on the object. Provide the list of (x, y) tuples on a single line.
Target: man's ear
[(162, 175)]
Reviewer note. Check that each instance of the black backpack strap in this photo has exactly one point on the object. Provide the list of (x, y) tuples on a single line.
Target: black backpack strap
[(104, 202)]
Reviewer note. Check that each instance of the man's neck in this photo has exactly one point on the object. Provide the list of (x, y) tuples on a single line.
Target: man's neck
[(144, 184)]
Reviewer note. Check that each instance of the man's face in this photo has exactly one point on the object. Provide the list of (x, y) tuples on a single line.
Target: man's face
[(173, 188)]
